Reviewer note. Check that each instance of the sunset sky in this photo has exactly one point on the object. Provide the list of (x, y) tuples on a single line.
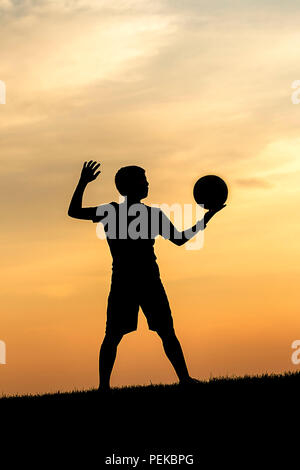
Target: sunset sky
[(183, 89)]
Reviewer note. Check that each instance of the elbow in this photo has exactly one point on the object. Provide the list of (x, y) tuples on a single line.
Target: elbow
[(178, 238), (71, 213), (179, 241), (182, 240)]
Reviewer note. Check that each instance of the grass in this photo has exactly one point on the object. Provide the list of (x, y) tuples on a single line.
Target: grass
[(233, 383), (220, 415)]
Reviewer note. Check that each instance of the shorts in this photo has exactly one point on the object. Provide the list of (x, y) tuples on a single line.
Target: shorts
[(128, 293)]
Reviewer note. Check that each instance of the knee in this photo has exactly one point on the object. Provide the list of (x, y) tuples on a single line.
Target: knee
[(112, 338), (167, 334)]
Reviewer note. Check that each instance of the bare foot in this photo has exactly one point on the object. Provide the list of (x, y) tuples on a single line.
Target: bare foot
[(189, 381), (103, 390)]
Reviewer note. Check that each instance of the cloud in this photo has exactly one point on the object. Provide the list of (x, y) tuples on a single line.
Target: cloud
[(254, 183), (6, 5), (166, 84), (42, 7)]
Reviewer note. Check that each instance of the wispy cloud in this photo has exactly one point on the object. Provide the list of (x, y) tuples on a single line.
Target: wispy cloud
[(254, 183)]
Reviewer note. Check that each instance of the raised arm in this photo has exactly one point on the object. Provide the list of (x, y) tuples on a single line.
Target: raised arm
[(180, 238), (88, 174)]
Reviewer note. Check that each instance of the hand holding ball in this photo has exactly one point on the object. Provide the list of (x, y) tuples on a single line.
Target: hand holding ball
[(211, 191)]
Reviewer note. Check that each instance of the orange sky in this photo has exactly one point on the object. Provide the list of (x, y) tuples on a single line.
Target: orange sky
[(182, 89)]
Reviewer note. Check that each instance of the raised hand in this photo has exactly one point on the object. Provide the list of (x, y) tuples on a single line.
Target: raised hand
[(88, 172)]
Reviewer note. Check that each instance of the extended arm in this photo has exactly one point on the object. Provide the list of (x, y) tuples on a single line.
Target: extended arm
[(88, 174), (180, 238)]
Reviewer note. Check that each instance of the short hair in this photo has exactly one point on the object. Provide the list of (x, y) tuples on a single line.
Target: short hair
[(126, 176)]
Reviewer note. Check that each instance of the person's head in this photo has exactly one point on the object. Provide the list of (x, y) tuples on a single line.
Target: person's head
[(131, 181)]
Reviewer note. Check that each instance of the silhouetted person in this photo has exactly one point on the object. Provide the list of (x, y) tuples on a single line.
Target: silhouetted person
[(135, 274)]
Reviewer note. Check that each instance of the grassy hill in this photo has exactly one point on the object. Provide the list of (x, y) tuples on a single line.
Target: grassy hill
[(212, 420)]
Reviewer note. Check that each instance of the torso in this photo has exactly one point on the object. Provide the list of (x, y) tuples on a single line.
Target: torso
[(133, 255)]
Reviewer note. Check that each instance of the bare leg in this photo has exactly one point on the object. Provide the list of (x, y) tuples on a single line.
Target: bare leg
[(107, 356), (175, 355)]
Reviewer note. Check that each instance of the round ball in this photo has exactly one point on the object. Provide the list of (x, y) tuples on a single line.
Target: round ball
[(211, 191)]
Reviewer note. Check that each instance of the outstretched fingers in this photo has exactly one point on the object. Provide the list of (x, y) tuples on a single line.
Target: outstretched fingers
[(89, 170), (97, 166), (91, 164)]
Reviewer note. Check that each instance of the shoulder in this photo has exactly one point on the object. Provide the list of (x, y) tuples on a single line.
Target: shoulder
[(106, 207), (154, 209), (103, 211)]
